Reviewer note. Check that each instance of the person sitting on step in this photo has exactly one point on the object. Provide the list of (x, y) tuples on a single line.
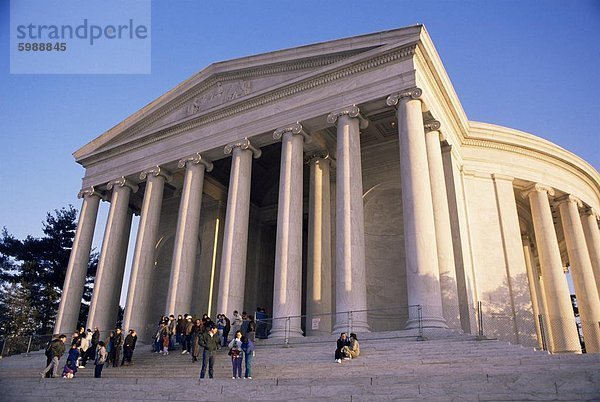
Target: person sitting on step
[(353, 350), (341, 343)]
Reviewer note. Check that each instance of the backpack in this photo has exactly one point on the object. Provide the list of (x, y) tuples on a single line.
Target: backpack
[(48, 351)]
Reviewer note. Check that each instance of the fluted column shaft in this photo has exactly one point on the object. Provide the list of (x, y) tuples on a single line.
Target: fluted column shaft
[(532, 278), (287, 283), (588, 301), (318, 294), (70, 301), (589, 220), (140, 279), (183, 266), (111, 264), (351, 287), (559, 321), (235, 236), (422, 271), (443, 231)]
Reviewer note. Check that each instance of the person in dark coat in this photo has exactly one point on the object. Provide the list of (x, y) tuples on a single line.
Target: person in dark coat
[(341, 342), (128, 347), (57, 349), (197, 331), (179, 328), (109, 347), (209, 341), (117, 344), (95, 338), (248, 349), (226, 329), (71, 366)]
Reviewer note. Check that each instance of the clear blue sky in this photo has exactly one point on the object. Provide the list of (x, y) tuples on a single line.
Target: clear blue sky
[(529, 65)]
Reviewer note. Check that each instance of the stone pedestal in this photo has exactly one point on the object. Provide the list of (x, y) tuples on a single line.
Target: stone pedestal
[(111, 264), (70, 301)]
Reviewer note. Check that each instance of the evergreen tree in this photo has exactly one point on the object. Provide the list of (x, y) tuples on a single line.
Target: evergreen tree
[(39, 265)]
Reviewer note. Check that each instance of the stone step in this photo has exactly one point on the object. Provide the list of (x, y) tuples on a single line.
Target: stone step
[(449, 366)]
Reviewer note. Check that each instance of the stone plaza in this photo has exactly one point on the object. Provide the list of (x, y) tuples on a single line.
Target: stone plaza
[(339, 185)]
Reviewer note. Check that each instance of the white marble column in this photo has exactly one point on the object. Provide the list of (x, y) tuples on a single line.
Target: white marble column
[(443, 232), (70, 300), (422, 271), (232, 278), (318, 281), (287, 282), (183, 266), (532, 278), (351, 286), (559, 321), (111, 265), (140, 279), (589, 220), (588, 301)]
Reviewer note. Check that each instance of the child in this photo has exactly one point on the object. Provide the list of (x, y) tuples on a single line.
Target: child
[(235, 351), (71, 366)]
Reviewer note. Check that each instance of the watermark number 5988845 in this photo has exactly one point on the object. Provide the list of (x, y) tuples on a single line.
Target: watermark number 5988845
[(42, 47)]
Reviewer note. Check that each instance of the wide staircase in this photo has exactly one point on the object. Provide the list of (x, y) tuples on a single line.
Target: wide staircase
[(393, 366)]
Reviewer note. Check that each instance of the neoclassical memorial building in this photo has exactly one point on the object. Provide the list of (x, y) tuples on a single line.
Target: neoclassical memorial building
[(332, 178)]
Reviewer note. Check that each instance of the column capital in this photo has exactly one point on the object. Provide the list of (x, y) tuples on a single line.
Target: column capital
[(122, 182), (589, 211), (88, 192), (156, 171), (350, 111), (568, 198), (431, 125), (294, 128), (412, 93), (244, 144), (195, 159), (537, 187), (318, 157), (499, 176)]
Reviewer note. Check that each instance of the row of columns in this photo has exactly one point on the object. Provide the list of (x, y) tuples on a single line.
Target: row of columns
[(430, 267), (582, 238)]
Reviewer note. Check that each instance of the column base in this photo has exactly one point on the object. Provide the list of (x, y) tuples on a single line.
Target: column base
[(359, 327), (285, 326), (281, 333), (430, 322)]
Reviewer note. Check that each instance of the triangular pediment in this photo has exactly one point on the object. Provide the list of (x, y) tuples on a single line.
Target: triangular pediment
[(223, 84)]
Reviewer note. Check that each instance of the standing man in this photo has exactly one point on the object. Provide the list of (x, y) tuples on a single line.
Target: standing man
[(57, 349), (129, 346), (172, 332), (117, 344), (209, 341), (101, 356), (187, 332)]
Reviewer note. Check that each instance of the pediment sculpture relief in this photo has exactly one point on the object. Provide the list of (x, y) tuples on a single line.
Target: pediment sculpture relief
[(221, 93)]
